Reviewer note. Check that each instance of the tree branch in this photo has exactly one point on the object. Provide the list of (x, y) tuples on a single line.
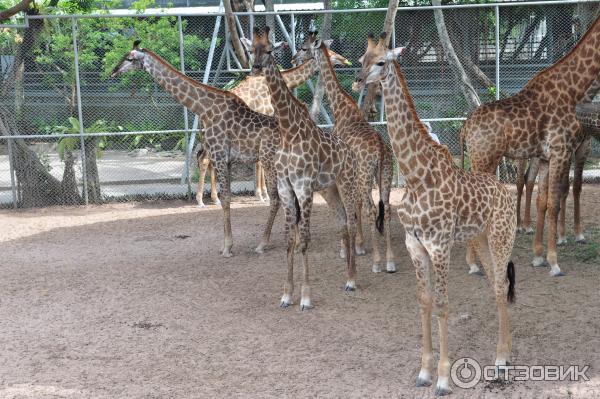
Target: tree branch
[(21, 6)]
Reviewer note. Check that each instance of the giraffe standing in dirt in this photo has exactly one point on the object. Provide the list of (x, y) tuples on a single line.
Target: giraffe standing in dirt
[(527, 177), (374, 159), (442, 204), (539, 121), (232, 131), (308, 160)]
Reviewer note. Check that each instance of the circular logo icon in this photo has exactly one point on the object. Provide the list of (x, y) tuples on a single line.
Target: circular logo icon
[(465, 373)]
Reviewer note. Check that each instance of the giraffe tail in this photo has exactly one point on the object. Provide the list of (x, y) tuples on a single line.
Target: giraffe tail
[(510, 275), (297, 205), (379, 222)]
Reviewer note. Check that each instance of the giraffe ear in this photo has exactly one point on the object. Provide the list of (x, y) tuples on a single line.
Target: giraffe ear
[(395, 53), (278, 45), (136, 44)]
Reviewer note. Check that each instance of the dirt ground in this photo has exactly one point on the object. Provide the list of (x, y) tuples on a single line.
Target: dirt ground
[(134, 301)]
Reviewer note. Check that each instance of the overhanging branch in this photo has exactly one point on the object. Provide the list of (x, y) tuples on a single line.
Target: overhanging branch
[(17, 8)]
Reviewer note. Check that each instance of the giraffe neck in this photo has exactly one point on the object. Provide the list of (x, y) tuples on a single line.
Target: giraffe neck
[(413, 147), (197, 97), (294, 77), (287, 108), (576, 71), (342, 104)]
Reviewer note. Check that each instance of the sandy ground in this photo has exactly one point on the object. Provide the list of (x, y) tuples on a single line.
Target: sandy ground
[(134, 301)]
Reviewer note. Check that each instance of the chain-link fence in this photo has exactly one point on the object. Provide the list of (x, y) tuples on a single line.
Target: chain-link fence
[(70, 133)]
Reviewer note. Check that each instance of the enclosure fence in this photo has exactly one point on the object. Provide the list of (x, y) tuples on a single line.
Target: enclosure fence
[(71, 134)]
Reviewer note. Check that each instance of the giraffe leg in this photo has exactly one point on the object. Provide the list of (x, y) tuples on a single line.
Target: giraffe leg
[(472, 259), (203, 164), (371, 212), (559, 166), (360, 238), (494, 256), (288, 199), (305, 200), (541, 204), (384, 195), (258, 181), (562, 231), (349, 198), (422, 265), (521, 163), (223, 175), (263, 180), (532, 173), (214, 193), (273, 208), (439, 253), (581, 155)]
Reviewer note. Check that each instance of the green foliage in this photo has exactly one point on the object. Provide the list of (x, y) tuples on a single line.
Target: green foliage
[(72, 143)]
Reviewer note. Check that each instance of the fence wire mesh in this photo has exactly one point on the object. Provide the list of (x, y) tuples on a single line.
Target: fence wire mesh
[(79, 135)]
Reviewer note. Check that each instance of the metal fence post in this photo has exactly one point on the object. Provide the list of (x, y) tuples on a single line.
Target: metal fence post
[(79, 110), (186, 123), (12, 174)]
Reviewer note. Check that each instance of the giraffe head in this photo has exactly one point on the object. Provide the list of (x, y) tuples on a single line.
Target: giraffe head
[(374, 62), (308, 49), (131, 61), (247, 43), (262, 49)]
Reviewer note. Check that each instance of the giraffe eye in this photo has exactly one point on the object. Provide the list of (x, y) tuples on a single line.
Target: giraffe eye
[(381, 63)]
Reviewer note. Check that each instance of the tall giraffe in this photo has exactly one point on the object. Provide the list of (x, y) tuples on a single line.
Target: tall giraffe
[(308, 160), (254, 92), (539, 121), (374, 158), (528, 178), (442, 204), (232, 131)]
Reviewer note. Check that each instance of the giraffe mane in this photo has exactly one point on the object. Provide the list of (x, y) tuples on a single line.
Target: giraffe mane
[(565, 58), (420, 126), (344, 93)]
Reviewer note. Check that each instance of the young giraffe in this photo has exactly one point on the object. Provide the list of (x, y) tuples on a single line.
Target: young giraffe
[(579, 158), (254, 92), (442, 204), (539, 121), (374, 158), (232, 131), (308, 160)]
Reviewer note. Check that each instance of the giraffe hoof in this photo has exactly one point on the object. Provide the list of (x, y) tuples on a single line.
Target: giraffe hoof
[(286, 301), (261, 248), (474, 269), (376, 268), (423, 382), (305, 304), (360, 250), (350, 285), (390, 267), (520, 230), (440, 391), (539, 262), (529, 231), (227, 253), (561, 241), (476, 273), (342, 254), (201, 205), (580, 239), (558, 274)]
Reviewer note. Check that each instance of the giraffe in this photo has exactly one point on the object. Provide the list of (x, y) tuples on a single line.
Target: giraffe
[(374, 158), (232, 131), (254, 92), (308, 160), (539, 121), (442, 204), (528, 178)]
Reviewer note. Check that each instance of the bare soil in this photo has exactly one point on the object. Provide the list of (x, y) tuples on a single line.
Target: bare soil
[(135, 301)]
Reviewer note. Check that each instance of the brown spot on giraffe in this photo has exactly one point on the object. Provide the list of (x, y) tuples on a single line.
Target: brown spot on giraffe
[(442, 204)]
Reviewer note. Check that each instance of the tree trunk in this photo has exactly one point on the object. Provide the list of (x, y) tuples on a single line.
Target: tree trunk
[(91, 170), (459, 72), (368, 106), (233, 34)]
